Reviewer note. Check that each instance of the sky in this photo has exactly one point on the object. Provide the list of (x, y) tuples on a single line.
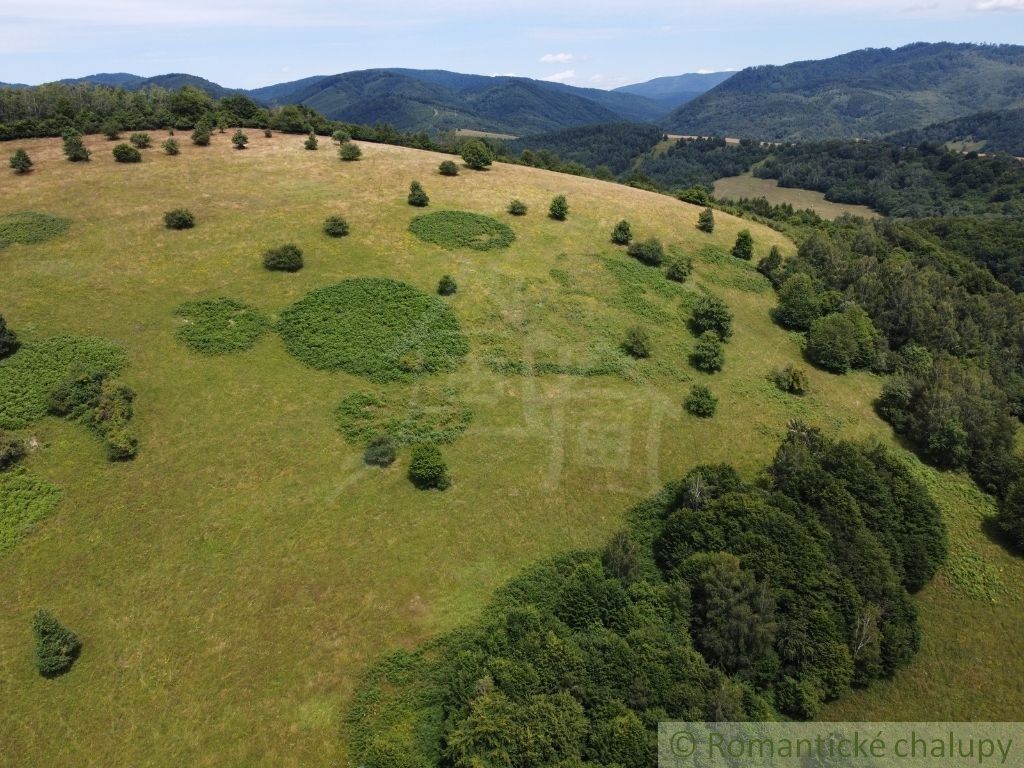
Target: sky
[(249, 43)]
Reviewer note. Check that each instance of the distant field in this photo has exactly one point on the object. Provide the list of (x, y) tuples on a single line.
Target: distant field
[(484, 134), (735, 187)]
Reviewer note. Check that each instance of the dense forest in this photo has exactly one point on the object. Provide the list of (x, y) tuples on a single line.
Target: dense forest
[(996, 131), (614, 146)]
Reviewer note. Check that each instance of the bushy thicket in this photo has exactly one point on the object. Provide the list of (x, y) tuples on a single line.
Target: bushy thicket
[(649, 252), (349, 151), (427, 467), (559, 208), (517, 208), (792, 379), (216, 326), (380, 451), (724, 601), (126, 153), (140, 140), (622, 234), (57, 647), (710, 313), (418, 196), (179, 218), (459, 229), (476, 155), (708, 353), (637, 343), (335, 226), (283, 258), (447, 286), (171, 147), (103, 405), (448, 168), (12, 450), (701, 401)]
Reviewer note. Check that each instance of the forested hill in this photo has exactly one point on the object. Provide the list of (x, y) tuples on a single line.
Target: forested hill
[(997, 131), (865, 93), (673, 91)]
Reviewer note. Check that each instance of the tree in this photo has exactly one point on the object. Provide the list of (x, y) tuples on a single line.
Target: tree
[(311, 141), (448, 168), (111, 129), (56, 646), (447, 286), (476, 155), (559, 208), (517, 208), (171, 147), (140, 140), (239, 139), (679, 269), (74, 147), (1011, 513), (126, 153), (335, 226), (649, 252), (744, 247), (843, 340), (706, 221), (710, 313), (709, 353), (799, 304), (283, 258), (179, 218), (770, 266), (21, 162), (427, 468), (622, 234), (637, 343), (341, 136), (418, 196), (380, 451), (701, 402), (201, 135), (9, 343), (349, 151)]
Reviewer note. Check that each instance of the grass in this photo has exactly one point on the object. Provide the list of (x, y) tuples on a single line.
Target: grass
[(459, 229), (24, 500), (215, 326), (423, 417), (232, 584), (747, 185)]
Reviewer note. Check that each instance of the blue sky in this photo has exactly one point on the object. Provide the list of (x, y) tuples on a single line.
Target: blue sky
[(248, 43)]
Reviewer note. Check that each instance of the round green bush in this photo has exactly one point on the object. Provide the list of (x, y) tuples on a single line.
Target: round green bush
[(418, 197), (427, 468), (679, 269), (379, 328), (311, 141), (476, 154), (349, 151), (179, 218), (283, 258), (709, 353), (335, 226), (458, 229), (517, 208), (649, 252), (239, 139), (559, 208), (29, 227), (622, 234), (215, 326), (701, 402), (126, 153), (447, 286), (171, 147), (637, 343), (448, 168), (140, 140), (380, 451), (712, 314)]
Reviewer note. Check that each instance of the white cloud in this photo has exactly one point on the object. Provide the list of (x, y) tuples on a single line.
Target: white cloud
[(561, 77), (556, 58), (999, 5)]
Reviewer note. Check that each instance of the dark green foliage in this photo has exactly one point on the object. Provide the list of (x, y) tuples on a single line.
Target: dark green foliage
[(239, 139), (621, 558), (448, 168), (701, 402), (992, 242), (8, 340), (843, 340), (111, 129), (637, 343), (341, 136), (140, 140), (101, 404), (283, 258), (649, 252), (380, 451), (427, 467), (710, 313), (73, 397), (216, 326), (999, 131), (1011, 513), (74, 148), (30, 227), (799, 304), (12, 450), (417, 195), (373, 327), (476, 155), (459, 229), (179, 218), (559, 208), (517, 208), (706, 221), (126, 153), (171, 147), (709, 353), (792, 379), (771, 266), (446, 286), (349, 151), (311, 141), (679, 268), (56, 646), (744, 247), (21, 162), (622, 234), (201, 136), (335, 226), (614, 145)]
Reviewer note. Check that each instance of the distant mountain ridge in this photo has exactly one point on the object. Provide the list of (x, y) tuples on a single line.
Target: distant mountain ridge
[(676, 90), (867, 93)]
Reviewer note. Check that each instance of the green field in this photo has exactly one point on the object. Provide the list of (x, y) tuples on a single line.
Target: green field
[(233, 583), (749, 186)]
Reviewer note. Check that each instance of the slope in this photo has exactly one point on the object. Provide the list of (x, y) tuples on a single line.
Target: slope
[(673, 91)]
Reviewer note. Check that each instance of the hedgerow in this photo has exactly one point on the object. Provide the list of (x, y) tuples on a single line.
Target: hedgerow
[(429, 418), (459, 229), (29, 377), (215, 326), (24, 500), (378, 328), (29, 227)]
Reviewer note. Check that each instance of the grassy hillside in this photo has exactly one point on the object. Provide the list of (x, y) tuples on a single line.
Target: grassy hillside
[(233, 583)]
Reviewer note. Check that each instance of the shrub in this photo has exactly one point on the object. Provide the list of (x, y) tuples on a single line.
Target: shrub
[(701, 402), (171, 147), (459, 229), (709, 354), (268, 133), (101, 404), (335, 226), (559, 208), (341, 136), (649, 252), (448, 168), (446, 286), (29, 227), (349, 151), (517, 208), (427, 468), (791, 379), (637, 343), (140, 140), (679, 269), (417, 195), (76, 395), (21, 162), (710, 313), (12, 450), (126, 153), (239, 139), (216, 326), (706, 221), (56, 646), (8, 340), (311, 141), (74, 147), (744, 247), (380, 451), (283, 258), (179, 218), (622, 234), (201, 136), (112, 130), (476, 155), (799, 304)]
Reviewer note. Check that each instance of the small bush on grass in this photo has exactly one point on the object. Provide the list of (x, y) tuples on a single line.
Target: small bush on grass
[(311, 141), (349, 151), (559, 208), (448, 168), (140, 140), (341, 136), (126, 153), (744, 247), (709, 353), (446, 286), (649, 252), (791, 379), (12, 450), (74, 147), (706, 221), (335, 226), (427, 468), (517, 208), (712, 314), (179, 218), (29, 227), (476, 155), (459, 229), (57, 647), (268, 133), (239, 139), (418, 196), (701, 402), (216, 326), (283, 258), (637, 343), (679, 269), (8, 340), (21, 162), (201, 136), (112, 130), (171, 147), (380, 451), (622, 234)]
